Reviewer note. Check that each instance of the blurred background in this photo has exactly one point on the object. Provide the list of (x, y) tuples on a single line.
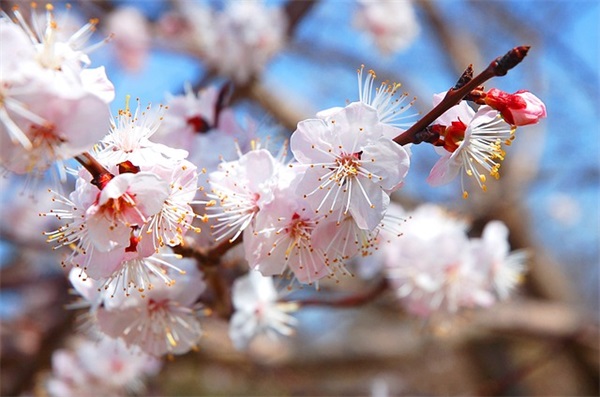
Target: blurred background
[(544, 342)]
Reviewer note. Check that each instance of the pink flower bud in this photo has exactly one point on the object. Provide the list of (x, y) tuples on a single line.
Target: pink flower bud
[(520, 108)]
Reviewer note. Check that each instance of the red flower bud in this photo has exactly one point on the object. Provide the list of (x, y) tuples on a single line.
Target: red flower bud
[(520, 108)]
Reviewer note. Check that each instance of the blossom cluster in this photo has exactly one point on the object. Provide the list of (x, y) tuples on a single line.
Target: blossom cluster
[(236, 41), (48, 94), (434, 266), (188, 177)]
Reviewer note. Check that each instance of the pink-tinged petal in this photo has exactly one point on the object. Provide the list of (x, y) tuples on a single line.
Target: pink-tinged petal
[(368, 213), (462, 111), (319, 198), (16, 43), (150, 192), (387, 160), (104, 264), (260, 166), (96, 82), (311, 268), (307, 142), (444, 171), (104, 232)]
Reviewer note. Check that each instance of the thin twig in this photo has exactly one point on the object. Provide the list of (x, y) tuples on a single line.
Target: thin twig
[(499, 67), (347, 301)]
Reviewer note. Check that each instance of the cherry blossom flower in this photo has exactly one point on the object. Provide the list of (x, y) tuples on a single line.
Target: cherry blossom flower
[(127, 200), (117, 233), (518, 109), (162, 321), (131, 33), (506, 269), (281, 240), (129, 135), (107, 366), (257, 310), (239, 189), (203, 126), (472, 145), (434, 266), (239, 40), (392, 25), (352, 165)]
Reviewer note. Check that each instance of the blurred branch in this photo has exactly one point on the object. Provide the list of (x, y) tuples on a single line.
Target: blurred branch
[(296, 11), (206, 257), (347, 301)]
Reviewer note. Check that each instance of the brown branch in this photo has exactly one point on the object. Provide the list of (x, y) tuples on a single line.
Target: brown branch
[(499, 67), (347, 301), (101, 176), (498, 387), (206, 257)]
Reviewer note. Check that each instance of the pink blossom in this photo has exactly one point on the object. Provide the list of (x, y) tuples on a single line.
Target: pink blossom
[(239, 189), (52, 125), (351, 163), (106, 365), (48, 95), (127, 200), (281, 240), (392, 25), (131, 33), (162, 321)]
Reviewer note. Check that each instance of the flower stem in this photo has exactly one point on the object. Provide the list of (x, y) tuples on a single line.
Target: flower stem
[(498, 67), (100, 174)]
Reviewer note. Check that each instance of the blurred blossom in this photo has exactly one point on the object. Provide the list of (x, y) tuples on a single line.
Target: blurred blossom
[(257, 310), (434, 266), (563, 208), (104, 367), (201, 124), (392, 25), (237, 41), (131, 37)]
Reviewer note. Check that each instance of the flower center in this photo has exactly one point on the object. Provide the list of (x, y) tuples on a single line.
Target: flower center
[(454, 135), (348, 165), (199, 124)]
